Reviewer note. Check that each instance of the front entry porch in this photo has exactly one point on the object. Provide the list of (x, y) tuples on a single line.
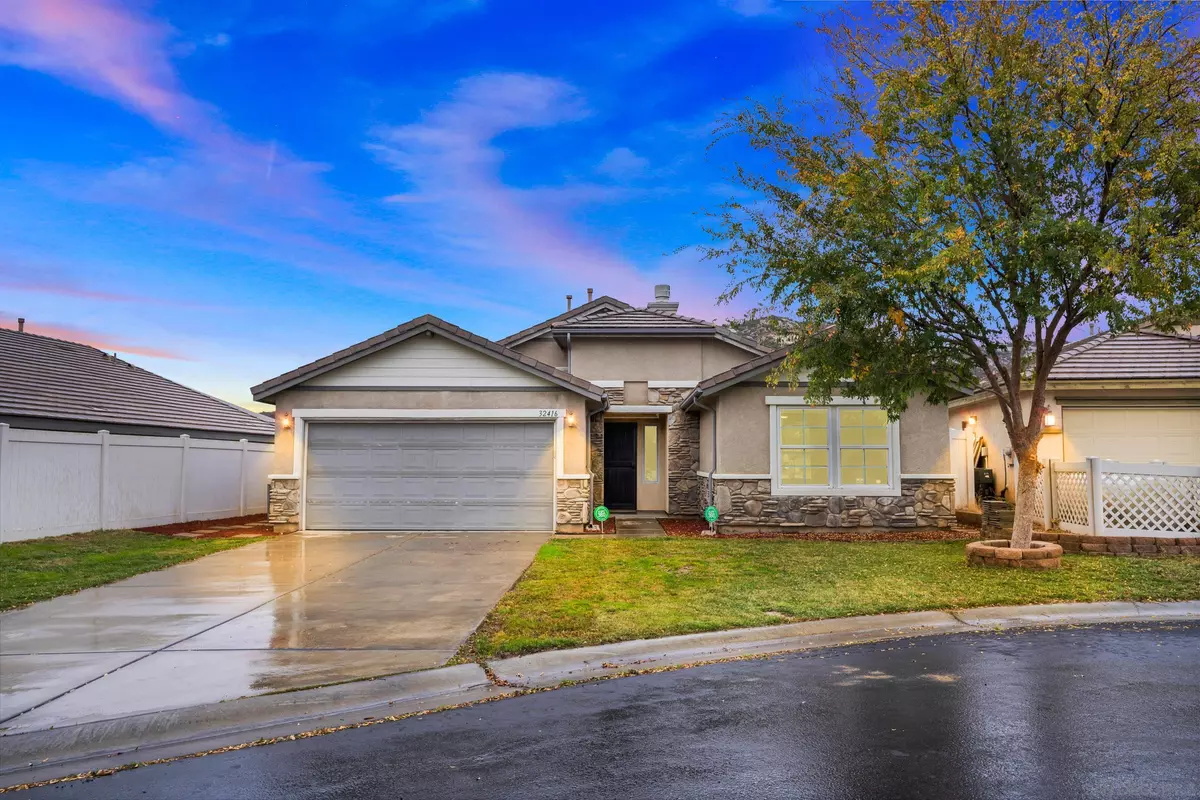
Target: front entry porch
[(634, 468)]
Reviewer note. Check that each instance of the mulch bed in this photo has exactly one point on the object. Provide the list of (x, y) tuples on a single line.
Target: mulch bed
[(218, 528), (695, 528)]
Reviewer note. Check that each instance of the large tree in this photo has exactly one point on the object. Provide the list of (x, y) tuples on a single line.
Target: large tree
[(977, 182)]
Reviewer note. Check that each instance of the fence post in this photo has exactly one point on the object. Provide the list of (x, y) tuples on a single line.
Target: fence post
[(185, 443), (1096, 495), (6, 455), (242, 482), (103, 478)]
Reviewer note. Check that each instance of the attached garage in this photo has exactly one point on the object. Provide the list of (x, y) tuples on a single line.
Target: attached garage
[(437, 476), (428, 427), (1132, 434)]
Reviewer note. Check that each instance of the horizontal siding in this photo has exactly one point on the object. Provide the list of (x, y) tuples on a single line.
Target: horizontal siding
[(428, 361)]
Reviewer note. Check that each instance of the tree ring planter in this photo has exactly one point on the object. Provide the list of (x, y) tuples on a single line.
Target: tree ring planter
[(997, 553)]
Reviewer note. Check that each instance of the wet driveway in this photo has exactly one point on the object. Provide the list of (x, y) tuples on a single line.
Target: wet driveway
[(1095, 712), (299, 610)]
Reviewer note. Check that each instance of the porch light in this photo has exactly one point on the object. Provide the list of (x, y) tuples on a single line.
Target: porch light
[(570, 419), (285, 422), (972, 420), (1048, 420)]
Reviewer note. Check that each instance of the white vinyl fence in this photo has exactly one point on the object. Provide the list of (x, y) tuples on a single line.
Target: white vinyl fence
[(1110, 498), (56, 482)]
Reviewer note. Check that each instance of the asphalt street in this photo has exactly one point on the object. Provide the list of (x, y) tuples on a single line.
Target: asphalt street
[(1096, 712)]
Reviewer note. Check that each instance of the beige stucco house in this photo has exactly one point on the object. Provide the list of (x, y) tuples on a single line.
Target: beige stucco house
[(1131, 397), (430, 427)]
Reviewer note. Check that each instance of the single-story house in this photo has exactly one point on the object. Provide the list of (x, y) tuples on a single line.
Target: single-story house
[(89, 440), (428, 426), (1131, 397)]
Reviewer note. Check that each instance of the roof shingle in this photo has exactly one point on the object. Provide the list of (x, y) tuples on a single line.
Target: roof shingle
[(1135, 355), (57, 379)]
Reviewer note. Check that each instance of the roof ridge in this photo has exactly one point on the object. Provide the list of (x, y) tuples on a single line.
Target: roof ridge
[(569, 313), (367, 346)]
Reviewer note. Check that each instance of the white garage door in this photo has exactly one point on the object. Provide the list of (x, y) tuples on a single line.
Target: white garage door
[(430, 476), (1132, 435)]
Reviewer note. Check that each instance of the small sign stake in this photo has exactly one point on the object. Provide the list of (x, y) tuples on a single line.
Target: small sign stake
[(711, 514), (600, 513)]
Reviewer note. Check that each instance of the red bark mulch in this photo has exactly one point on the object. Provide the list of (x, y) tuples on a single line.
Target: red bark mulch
[(694, 528), (221, 528)]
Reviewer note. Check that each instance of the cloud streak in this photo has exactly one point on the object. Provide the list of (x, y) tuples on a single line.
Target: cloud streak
[(99, 340), (453, 163)]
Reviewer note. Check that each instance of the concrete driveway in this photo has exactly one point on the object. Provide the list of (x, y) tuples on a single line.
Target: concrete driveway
[(300, 610)]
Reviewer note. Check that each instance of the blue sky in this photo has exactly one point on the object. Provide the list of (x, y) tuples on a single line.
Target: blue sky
[(222, 191)]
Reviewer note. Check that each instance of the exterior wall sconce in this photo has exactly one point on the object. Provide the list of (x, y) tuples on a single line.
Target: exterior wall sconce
[(972, 420), (570, 419), (1048, 420), (285, 422)]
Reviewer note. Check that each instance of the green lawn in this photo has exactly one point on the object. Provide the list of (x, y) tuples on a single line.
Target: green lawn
[(581, 592), (43, 568)]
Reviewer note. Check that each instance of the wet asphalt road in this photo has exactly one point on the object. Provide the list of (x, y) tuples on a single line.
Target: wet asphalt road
[(1101, 712)]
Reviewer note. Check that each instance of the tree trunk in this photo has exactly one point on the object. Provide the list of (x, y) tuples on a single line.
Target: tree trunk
[(1028, 467)]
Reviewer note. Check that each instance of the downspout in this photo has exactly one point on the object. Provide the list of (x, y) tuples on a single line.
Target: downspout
[(710, 500), (569, 354), (591, 524)]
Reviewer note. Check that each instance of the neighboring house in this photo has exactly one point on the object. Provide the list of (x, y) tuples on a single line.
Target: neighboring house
[(1131, 397), (428, 426), (89, 441)]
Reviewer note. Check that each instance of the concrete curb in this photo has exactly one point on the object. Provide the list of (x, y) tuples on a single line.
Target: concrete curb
[(37, 755), (542, 670), (42, 754)]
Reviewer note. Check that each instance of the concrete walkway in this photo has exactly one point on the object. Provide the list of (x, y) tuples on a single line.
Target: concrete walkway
[(44, 754), (296, 611)]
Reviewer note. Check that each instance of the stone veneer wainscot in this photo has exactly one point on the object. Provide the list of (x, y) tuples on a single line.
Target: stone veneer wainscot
[(749, 504), (283, 504), (572, 512)]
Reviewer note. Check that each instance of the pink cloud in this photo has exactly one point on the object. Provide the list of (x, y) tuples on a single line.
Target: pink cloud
[(453, 163), (101, 341), (110, 51)]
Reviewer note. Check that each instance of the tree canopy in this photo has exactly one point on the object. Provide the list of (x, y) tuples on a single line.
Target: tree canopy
[(980, 180), (976, 182)]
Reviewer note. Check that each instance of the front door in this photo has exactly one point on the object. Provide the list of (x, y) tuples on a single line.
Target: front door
[(620, 465)]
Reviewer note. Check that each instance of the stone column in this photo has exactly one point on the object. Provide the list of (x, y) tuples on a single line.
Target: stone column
[(283, 504)]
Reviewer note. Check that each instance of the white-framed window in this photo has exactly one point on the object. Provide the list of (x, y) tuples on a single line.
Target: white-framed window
[(847, 448)]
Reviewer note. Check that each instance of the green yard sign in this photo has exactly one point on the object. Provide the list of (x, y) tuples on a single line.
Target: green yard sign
[(711, 514), (600, 513)]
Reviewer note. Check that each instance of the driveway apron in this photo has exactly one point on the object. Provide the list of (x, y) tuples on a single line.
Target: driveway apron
[(300, 610)]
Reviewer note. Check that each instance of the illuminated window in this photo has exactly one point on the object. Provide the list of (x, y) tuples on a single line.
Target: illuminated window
[(650, 453), (863, 447), (834, 448), (804, 446)]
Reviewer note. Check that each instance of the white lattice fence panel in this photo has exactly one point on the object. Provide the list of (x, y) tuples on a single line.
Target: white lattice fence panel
[(1168, 504), (1039, 499), (1071, 497)]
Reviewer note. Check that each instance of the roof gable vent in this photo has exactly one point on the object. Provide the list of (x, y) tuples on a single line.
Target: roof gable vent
[(662, 299)]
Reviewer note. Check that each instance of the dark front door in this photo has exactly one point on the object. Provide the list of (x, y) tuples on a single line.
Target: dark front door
[(620, 465)]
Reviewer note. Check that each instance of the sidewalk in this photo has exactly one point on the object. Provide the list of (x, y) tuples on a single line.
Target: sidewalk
[(35, 755)]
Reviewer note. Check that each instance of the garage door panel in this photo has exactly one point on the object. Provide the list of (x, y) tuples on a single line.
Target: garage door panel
[(430, 476), (1132, 435)]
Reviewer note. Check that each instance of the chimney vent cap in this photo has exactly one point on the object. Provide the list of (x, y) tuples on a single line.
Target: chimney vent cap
[(662, 291)]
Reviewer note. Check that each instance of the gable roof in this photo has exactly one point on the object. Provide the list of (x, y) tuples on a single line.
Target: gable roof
[(734, 375), (55, 379), (647, 321), (430, 323), (600, 304), (1134, 355)]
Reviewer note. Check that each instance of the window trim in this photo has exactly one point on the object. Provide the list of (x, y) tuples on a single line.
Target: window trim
[(779, 404)]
